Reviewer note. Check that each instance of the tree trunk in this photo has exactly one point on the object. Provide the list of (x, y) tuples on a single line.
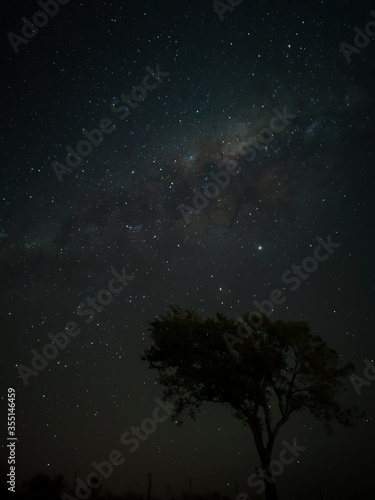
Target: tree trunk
[(265, 457), (271, 491)]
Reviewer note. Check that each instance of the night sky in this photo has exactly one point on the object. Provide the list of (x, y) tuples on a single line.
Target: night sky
[(64, 237)]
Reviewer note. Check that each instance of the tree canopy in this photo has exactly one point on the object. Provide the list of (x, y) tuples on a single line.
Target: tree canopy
[(263, 370)]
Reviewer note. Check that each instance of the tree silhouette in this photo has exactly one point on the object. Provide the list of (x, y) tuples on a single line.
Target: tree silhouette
[(263, 370), (43, 486)]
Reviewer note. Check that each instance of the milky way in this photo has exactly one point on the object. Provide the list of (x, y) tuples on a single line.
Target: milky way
[(60, 241)]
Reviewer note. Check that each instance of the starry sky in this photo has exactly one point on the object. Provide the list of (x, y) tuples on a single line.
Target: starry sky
[(61, 239)]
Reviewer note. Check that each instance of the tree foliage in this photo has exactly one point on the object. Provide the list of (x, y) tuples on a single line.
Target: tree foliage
[(278, 369)]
